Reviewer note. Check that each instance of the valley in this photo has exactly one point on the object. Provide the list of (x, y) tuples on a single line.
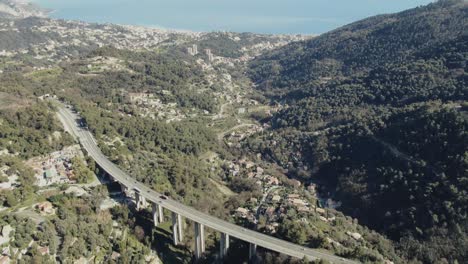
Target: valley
[(351, 144)]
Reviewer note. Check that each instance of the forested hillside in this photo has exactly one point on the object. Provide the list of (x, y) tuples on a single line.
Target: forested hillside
[(356, 49), (377, 110)]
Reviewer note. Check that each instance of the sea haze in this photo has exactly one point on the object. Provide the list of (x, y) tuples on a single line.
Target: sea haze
[(261, 16)]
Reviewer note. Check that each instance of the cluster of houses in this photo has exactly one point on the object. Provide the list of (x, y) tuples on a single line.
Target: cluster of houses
[(55, 168), (278, 199), (234, 138), (278, 205), (75, 33), (150, 106), (249, 169), (82, 34), (105, 64), (282, 40), (211, 58)]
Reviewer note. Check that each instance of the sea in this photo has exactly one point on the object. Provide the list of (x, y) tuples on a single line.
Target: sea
[(259, 16)]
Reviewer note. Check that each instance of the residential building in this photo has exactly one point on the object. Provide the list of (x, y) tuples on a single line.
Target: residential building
[(276, 198), (46, 208), (209, 54)]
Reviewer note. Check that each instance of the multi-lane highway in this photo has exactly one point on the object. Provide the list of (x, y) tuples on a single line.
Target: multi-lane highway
[(70, 121)]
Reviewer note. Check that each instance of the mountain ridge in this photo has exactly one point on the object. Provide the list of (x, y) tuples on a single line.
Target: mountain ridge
[(362, 45)]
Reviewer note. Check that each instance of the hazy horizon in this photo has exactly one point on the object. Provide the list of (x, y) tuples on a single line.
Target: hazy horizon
[(261, 16)]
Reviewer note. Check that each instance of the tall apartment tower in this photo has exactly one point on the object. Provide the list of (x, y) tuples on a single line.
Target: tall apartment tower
[(195, 49), (209, 54)]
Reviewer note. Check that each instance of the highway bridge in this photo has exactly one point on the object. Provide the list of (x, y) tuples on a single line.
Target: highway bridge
[(145, 196)]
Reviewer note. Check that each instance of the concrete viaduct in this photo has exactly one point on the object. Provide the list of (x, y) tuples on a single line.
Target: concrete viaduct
[(145, 196)]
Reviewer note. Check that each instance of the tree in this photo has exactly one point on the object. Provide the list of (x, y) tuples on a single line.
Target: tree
[(81, 172)]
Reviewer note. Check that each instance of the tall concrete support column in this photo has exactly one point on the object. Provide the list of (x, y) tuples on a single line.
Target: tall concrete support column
[(202, 237), (199, 240), (140, 201), (224, 245), (155, 213), (175, 229), (160, 213), (180, 227), (252, 253)]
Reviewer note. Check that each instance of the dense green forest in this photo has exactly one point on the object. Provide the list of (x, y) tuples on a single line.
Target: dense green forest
[(27, 132), (377, 110), (26, 179), (353, 50)]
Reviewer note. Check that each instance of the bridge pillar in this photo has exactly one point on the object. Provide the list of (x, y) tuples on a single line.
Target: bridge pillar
[(252, 253), (224, 245), (199, 240), (140, 201), (155, 213), (180, 227), (137, 200), (202, 237), (175, 229), (160, 213)]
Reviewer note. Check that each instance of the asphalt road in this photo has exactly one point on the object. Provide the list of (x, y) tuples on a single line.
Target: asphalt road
[(69, 120)]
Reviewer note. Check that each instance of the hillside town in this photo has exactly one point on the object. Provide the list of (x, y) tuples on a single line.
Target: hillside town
[(278, 194), (66, 36), (55, 168)]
